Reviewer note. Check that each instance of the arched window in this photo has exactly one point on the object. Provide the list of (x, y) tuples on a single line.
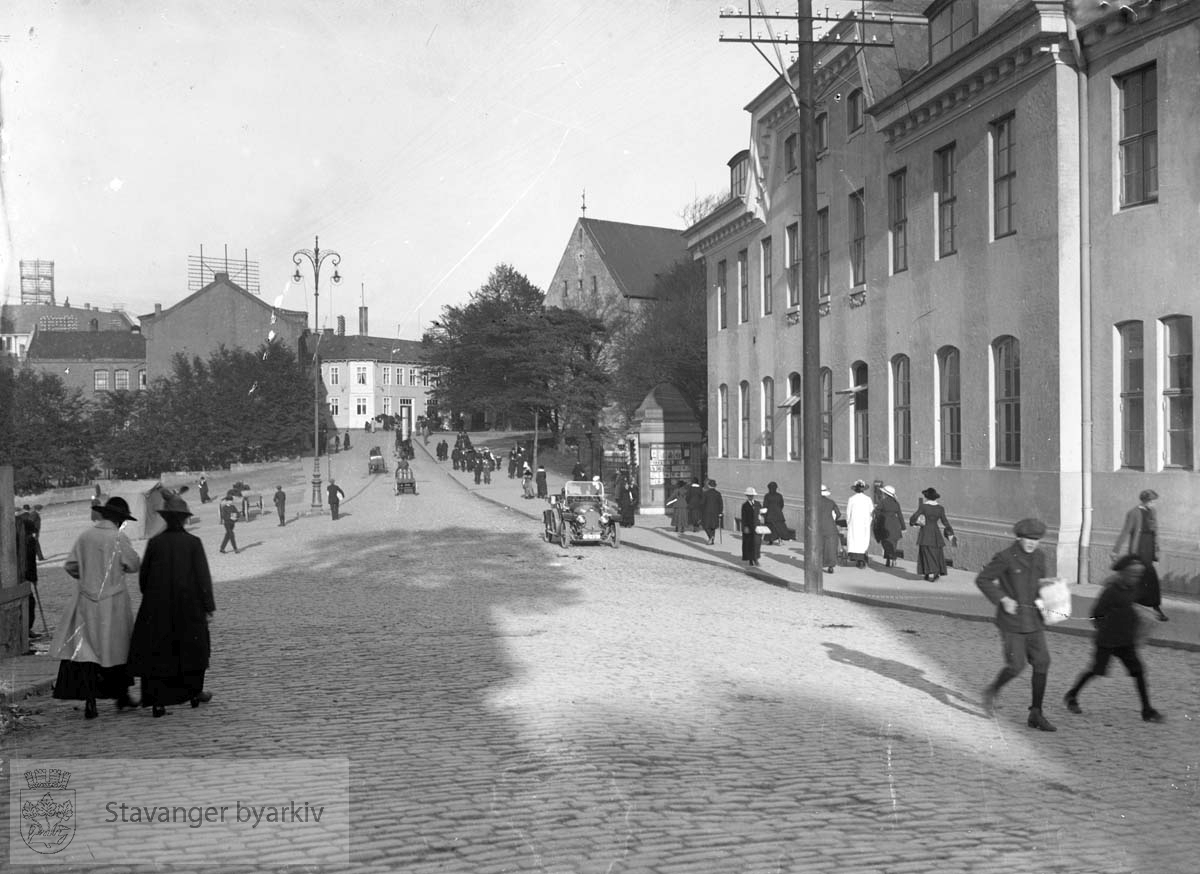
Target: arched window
[(861, 420), (901, 411), (795, 406), (744, 410), (1007, 356), (723, 414), (826, 414), (949, 406), (855, 105), (1133, 400), (768, 418)]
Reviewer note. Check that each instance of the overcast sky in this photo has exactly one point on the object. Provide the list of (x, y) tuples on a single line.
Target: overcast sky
[(424, 141)]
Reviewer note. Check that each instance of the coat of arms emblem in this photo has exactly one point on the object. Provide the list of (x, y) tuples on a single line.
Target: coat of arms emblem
[(47, 810)]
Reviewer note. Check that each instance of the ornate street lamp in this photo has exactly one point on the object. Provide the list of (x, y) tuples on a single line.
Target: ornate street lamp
[(316, 257)]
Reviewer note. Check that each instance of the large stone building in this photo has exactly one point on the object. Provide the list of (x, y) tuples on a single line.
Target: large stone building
[(221, 313), (1007, 292)]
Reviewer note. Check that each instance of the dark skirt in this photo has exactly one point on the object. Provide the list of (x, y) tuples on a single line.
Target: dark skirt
[(162, 691), (79, 681), (751, 545), (889, 547), (627, 517), (931, 560), (1148, 593), (830, 546)]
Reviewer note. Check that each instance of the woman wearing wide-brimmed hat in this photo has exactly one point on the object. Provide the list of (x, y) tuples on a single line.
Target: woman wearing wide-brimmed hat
[(930, 517), (751, 539), (828, 515), (92, 636), (889, 524), (170, 648)]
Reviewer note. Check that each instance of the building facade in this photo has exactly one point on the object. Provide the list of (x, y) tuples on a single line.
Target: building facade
[(983, 280), (19, 322), (370, 377), (95, 362)]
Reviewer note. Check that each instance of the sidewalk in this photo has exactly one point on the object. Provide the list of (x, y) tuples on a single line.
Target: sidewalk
[(783, 565)]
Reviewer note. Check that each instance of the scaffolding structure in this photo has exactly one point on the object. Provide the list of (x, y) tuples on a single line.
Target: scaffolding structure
[(202, 269)]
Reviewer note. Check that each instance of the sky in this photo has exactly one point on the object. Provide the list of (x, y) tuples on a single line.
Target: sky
[(425, 141)]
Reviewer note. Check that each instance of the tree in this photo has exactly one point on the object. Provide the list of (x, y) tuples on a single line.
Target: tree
[(47, 439), (670, 343)]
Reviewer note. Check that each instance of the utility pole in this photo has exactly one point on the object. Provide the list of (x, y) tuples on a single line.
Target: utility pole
[(803, 100)]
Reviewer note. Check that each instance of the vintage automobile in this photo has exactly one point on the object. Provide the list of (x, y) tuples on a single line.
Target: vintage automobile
[(375, 462), (580, 514)]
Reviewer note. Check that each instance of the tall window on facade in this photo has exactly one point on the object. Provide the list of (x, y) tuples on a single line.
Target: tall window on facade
[(566, 288), (723, 413), (739, 173), (743, 268), (387, 375), (768, 418), (1008, 402), (143, 382), (1177, 391), (722, 294), (949, 406), (952, 25), (744, 419), (360, 406), (334, 407), (898, 219), (1133, 398), (360, 374), (945, 167), (764, 271), (823, 252), (335, 375), (1004, 177), (1139, 135), (862, 422), (795, 434), (790, 152), (855, 104), (822, 130), (412, 376), (595, 285), (826, 414), (121, 380), (100, 380), (858, 238), (793, 264), (901, 411), (387, 405)]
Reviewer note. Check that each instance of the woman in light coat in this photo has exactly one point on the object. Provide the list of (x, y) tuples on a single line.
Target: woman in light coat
[(92, 636), (860, 511)]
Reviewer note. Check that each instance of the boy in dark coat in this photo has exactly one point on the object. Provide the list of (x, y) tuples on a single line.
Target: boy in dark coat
[(1117, 621)]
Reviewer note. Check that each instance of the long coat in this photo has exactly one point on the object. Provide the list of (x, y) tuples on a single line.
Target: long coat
[(775, 520), (751, 540), (170, 636), (889, 521), (711, 510), (827, 516), (97, 621), (859, 510)]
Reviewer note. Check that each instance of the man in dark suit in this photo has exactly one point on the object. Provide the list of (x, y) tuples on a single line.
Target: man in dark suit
[(335, 497)]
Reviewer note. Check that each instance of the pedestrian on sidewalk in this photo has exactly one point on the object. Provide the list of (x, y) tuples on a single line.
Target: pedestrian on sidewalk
[(204, 498), (695, 497), (627, 498), (678, 506), (35, 519), (335, 497), (280, 505), (775, 520), (930, 518), (229, 518), (860, 510), (170, 647), (1139, 537), (527, 488), (27, 559), (92, 635), (751, 539), (1011, 581), (712, 511), (827, 528), (540, 479), (1116, 620), (889, 524)]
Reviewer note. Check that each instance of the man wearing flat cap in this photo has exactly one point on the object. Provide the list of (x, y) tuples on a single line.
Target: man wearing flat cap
[(1010, 581)]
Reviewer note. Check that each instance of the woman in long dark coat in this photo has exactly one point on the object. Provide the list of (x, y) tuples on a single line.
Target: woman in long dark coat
[(827, 516), (1139, 537), (626, 501), (775, 520), (931, 545), (889, 524), (751, 539), (170, 647)]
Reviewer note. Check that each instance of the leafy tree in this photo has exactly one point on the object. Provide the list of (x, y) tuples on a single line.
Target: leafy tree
[(47, 439)]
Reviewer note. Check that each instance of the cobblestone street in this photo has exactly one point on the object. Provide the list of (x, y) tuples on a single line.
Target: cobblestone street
[(507, 705)]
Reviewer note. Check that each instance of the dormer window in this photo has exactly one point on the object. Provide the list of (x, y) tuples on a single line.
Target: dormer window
[(952, 24), (739, 173), (790, 162), (854, 110)]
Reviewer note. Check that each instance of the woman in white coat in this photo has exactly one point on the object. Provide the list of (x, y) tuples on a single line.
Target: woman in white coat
[(859, 511)]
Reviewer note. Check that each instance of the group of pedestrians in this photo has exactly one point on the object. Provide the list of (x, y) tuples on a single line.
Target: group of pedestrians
[(102, 646)]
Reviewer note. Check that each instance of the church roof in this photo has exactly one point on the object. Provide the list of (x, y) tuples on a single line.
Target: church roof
[(636, 254)]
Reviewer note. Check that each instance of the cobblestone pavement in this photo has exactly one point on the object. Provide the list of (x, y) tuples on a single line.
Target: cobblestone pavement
[(507, 705)]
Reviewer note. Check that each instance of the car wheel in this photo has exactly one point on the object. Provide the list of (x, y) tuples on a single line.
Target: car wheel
[(564, 535), (616, 536)]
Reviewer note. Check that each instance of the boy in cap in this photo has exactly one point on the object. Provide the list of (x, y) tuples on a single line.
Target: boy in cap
[(1010, 581)]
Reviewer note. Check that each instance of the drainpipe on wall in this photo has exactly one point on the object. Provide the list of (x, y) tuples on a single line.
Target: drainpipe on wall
[(1085, 305)]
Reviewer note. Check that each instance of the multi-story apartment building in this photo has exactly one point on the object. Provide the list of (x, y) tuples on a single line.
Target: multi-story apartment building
[(367, 377), (1006, 291)]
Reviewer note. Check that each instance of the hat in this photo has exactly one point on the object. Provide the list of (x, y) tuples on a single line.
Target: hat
[(1032, 529), (889, 490), (751, 493), (859, 485), (824, 489), (930, 494), (712, 483), (173, 504), (1148, 495), (115, 509)]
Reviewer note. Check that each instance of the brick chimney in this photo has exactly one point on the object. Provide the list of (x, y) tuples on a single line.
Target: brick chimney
[(341, 326)]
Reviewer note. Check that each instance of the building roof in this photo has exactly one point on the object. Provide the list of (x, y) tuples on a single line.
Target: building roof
[(87, 345), (636, 254), (344, 347), (223, 279), (24, 318)]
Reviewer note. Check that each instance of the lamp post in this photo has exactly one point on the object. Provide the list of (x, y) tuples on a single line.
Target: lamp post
[(316, 257)]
